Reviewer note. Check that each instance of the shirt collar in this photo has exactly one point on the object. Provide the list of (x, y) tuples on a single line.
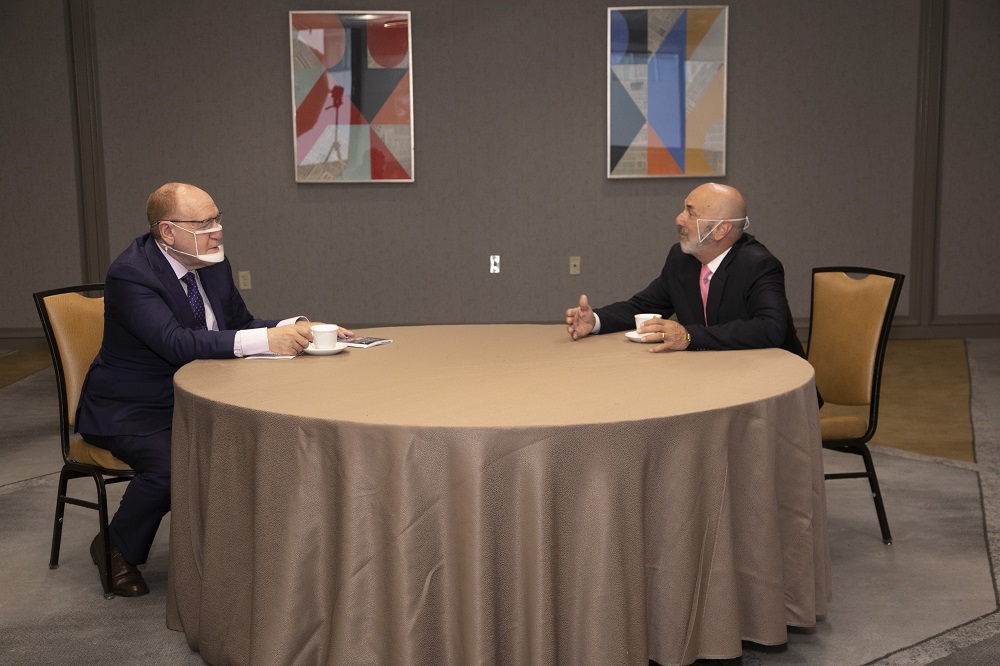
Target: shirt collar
[(715, 263), (179, 269)]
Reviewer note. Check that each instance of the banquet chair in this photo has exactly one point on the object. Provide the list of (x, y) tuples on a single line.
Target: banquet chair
[(849, 322), (74, 325)]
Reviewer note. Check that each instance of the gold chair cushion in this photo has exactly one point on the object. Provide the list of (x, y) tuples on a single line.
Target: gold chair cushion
[(841, 426), (88, 454)]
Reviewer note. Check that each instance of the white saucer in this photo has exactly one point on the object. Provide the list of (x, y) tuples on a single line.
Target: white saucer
[(635, 337), (341, 346)]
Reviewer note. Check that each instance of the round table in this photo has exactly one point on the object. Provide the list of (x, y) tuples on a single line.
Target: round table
[(496, 494)]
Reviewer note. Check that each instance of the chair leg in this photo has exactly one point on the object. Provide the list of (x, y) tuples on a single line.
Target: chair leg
[(58, 525), (105, 535), (883, 521)]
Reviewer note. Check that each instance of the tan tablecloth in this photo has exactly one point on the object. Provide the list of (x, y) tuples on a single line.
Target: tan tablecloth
[(496, 495)]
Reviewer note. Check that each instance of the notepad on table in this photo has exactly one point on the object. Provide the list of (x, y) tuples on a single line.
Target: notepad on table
[(365, 343)]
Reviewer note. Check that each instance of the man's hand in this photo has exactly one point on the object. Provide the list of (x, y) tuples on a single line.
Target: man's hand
[(672, 336), (290, 339), (580, 320)]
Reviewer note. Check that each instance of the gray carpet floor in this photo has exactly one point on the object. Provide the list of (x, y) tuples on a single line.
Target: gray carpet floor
[(930, 596)]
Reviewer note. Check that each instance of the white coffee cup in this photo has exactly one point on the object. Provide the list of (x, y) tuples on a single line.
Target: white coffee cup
[(324, 335), (641, 319)]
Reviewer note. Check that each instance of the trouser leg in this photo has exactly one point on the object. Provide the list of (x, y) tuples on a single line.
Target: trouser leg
[(147, 496)]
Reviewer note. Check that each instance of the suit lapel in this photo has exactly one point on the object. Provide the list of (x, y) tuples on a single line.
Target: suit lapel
[(717, 285), (176, 298), (210, 281), (690, 288)]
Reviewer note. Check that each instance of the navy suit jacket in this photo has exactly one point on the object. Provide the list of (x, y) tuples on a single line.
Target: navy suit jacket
[(747, 307), (149, 334)]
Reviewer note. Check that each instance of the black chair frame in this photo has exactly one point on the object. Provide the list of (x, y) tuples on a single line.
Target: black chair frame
[(860, 446)]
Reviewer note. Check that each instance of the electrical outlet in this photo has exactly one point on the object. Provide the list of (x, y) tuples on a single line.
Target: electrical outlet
[(244, 279), (494, 263), (574, 265)]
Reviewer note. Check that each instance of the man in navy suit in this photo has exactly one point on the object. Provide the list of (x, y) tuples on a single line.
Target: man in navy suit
[(169, 299), (745, 306)]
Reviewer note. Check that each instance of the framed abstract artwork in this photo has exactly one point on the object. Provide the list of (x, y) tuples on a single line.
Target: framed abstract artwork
[(667, 91), (352, 91)]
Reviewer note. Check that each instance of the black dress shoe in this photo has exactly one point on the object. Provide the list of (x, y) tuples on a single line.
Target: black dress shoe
[(126, 581)]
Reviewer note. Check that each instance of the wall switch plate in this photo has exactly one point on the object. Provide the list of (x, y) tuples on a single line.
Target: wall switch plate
[(244, 279), (574, 265), (494, 263)]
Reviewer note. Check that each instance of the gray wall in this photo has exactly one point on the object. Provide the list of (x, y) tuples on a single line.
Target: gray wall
[(510, 124), (968, 273), (40, 241)]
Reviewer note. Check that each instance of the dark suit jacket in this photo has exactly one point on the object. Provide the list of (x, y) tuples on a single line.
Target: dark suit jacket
[(149, 334), (747, 307)]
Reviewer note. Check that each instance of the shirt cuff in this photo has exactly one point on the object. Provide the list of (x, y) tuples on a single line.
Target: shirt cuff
[(250, 341), (597, 325)]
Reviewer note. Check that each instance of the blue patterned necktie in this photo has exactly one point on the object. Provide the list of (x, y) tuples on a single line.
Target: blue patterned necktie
[(195, 300)]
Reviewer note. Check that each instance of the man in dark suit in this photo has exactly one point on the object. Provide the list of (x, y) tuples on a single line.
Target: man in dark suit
[(169, 299), (744, 285)]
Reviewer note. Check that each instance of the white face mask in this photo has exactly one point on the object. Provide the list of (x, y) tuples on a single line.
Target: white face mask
[(209, 258), (703, 237)]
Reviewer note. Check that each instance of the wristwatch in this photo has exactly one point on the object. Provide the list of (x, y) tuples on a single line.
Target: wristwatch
[(689, 339)]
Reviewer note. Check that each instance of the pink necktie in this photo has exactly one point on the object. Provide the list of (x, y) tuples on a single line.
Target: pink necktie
[(706, 273)]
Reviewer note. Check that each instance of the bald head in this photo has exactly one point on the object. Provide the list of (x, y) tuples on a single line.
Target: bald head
[(720, 201), (711, 221), (177, 201)]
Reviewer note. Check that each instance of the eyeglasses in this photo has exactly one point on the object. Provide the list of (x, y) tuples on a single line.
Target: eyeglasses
[(200, 225)]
